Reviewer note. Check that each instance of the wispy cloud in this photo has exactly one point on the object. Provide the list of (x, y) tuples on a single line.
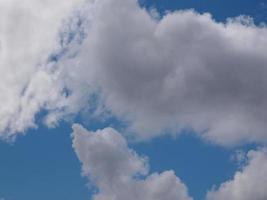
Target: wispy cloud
[(28, 34)]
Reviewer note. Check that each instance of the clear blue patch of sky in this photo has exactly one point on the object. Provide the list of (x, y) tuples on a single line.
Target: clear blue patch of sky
[(41, 165), (220, 9)]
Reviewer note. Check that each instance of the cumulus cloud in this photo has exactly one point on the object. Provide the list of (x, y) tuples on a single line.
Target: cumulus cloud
[(183, 71), (118, 172), (160, 74), (247, 184)]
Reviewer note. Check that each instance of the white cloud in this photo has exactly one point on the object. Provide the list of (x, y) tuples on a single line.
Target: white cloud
[(183, 71), (247, 184), (28, 35), (118, 172)]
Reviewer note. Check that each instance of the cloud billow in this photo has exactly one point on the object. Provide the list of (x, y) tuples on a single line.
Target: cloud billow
[(161, 75), (118, 172), (183, 71)]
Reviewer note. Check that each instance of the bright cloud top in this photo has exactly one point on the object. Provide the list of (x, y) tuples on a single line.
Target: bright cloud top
[(118, 172), (184, 71)]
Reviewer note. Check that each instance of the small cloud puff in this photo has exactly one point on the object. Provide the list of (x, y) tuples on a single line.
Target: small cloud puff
[(118, 172)]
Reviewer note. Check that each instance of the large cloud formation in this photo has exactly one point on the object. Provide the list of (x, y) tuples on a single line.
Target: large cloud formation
[(183, 71), (250, 183), (161, 75), (118, 172)]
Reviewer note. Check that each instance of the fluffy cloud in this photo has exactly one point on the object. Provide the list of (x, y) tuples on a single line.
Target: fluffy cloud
[(250, 183), (28, 35), (182, 71), (118, 172)]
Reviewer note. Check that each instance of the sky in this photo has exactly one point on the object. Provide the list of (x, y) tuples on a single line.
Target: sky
[(119, 99)]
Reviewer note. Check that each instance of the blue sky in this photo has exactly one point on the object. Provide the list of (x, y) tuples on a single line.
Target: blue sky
[(43, 165), (219, 9)]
